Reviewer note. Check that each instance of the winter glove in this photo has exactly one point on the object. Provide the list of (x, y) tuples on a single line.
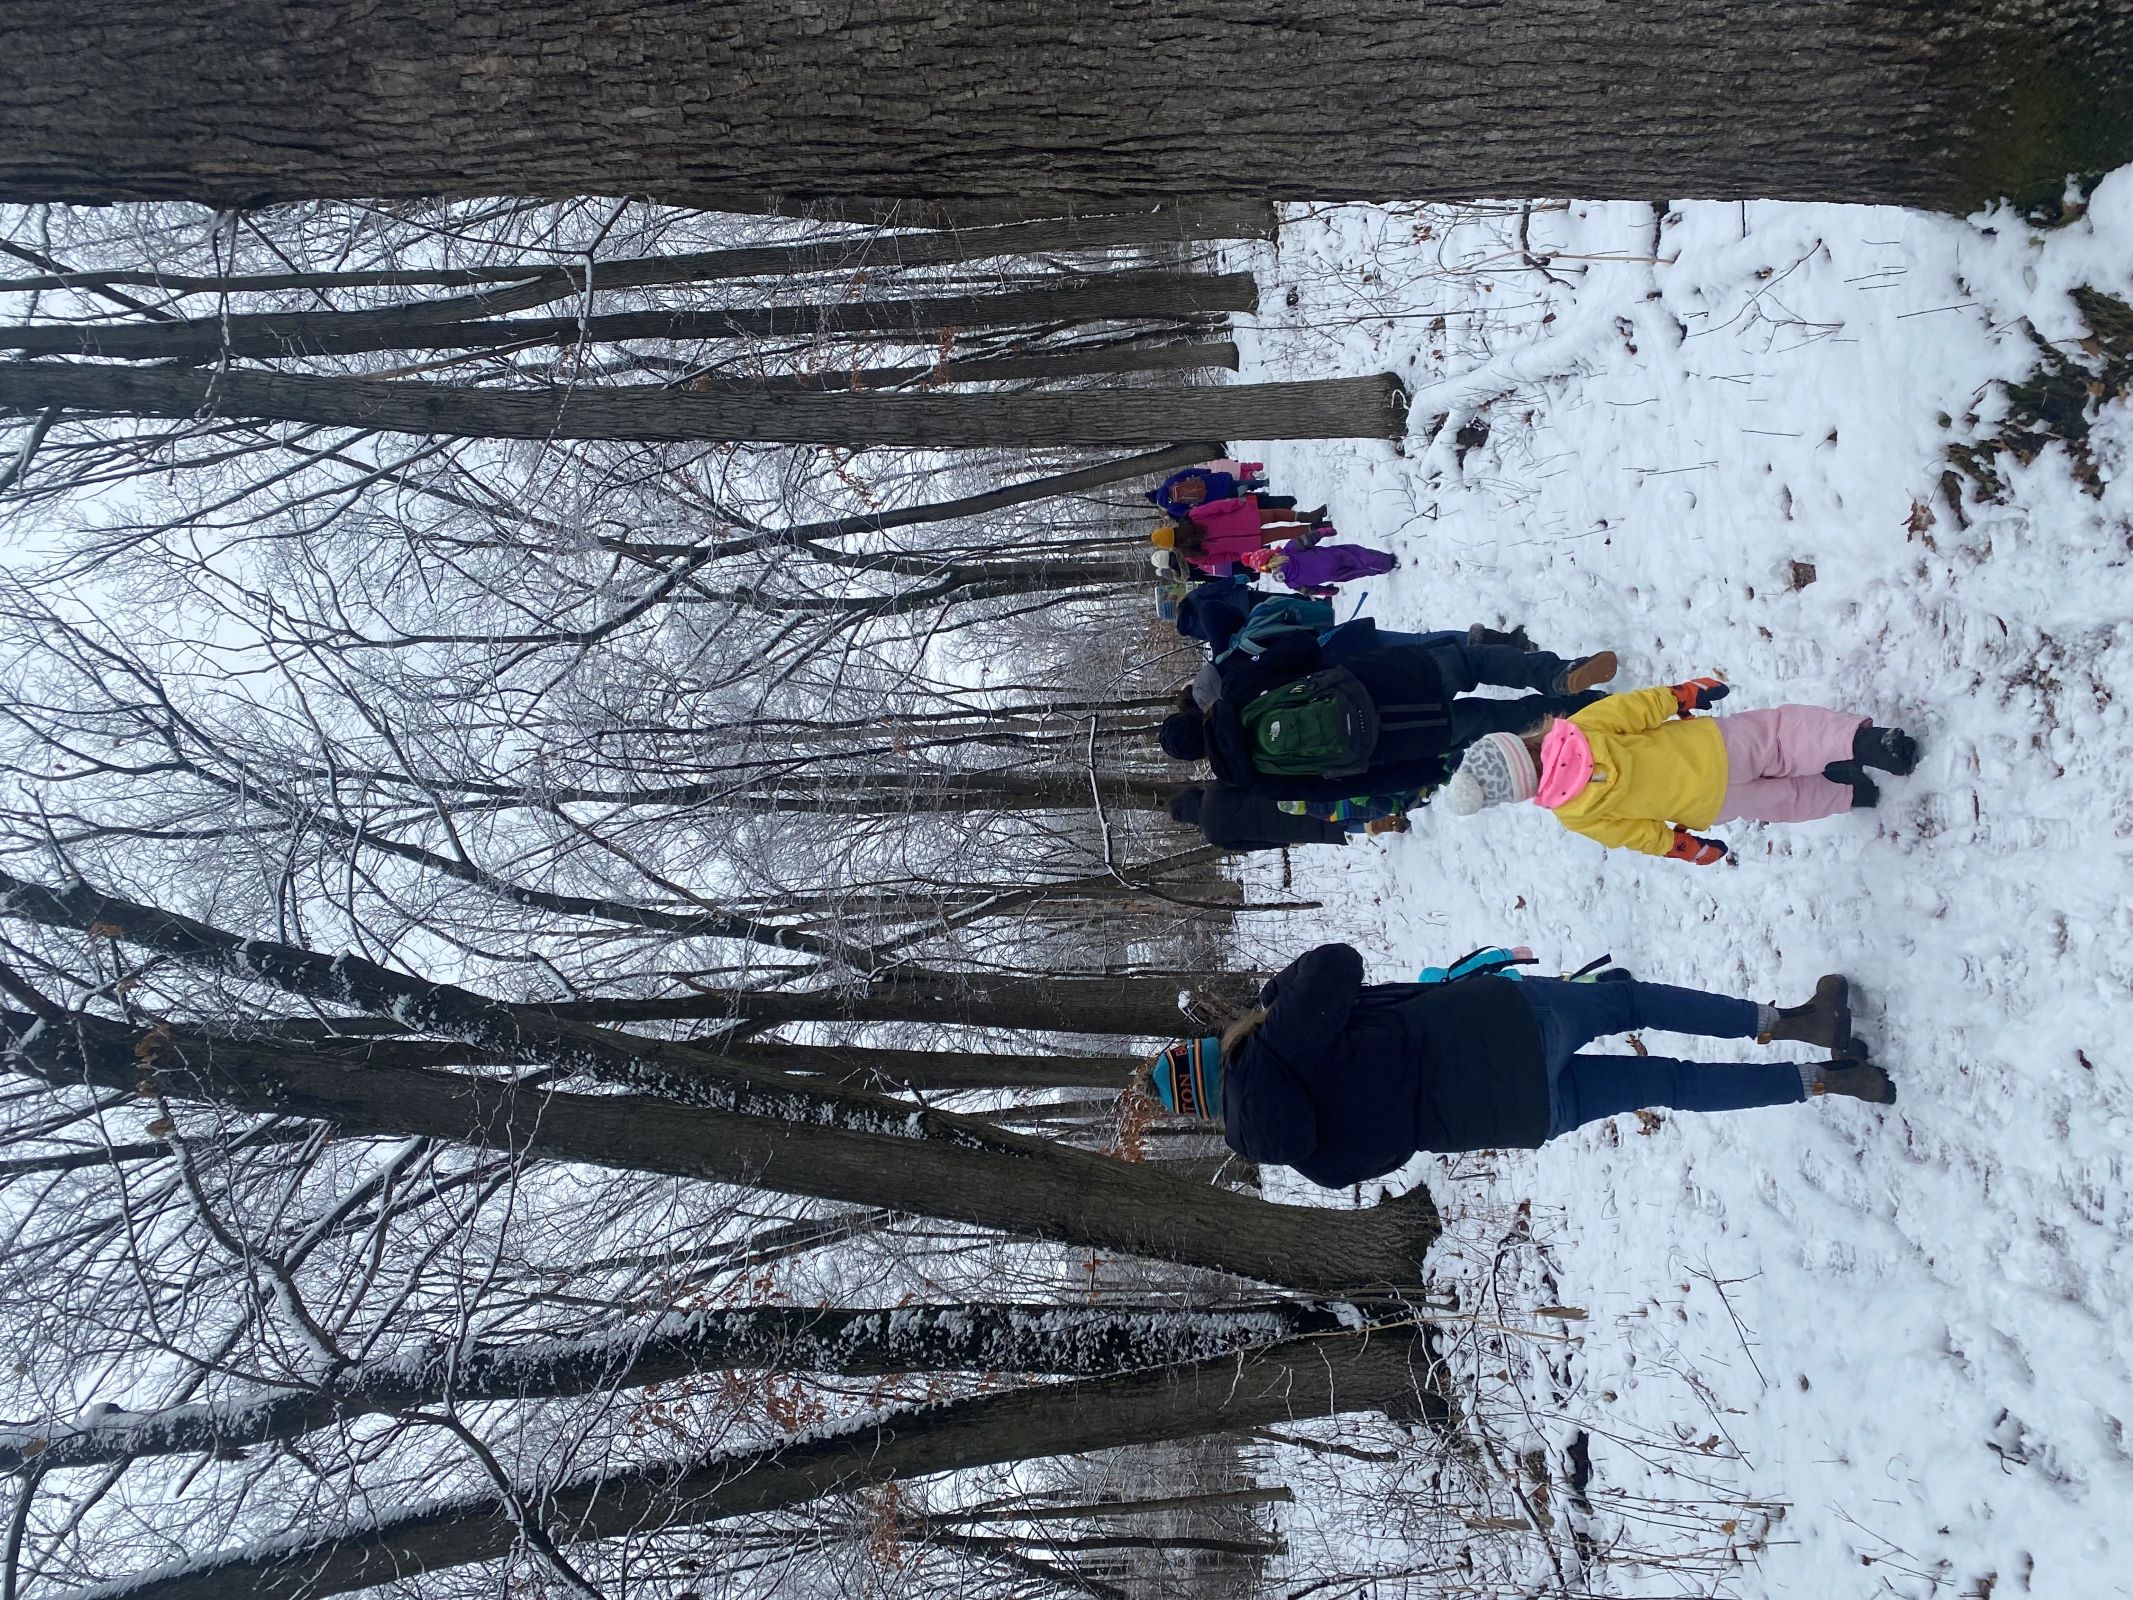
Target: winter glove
[(1698, 694), (1386, 825), (1696, 851)]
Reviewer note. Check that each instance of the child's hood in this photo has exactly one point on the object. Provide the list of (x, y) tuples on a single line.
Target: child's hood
[(1565, 764)]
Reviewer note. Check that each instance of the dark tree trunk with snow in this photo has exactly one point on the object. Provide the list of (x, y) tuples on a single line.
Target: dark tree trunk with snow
[(1065, 1341), (1021, 1186), (1311, 1377), (1940, 103), (1328, 408)]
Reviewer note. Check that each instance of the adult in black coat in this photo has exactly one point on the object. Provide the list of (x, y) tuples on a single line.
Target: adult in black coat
[(1213, 611), (1424, 725), (1235, 820), (1345, 1080)]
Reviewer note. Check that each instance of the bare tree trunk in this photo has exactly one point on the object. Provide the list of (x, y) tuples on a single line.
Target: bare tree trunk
[(1065, 1341), (1041, 366), (1943, 103), (1135, 1006), (874, 1066), (893, 794), (519, 286), (1319, 1377), (271, 335), (1326, 408), (1022, 1186)]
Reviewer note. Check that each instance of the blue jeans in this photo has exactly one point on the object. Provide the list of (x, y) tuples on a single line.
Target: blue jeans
[(1465, 666), (1344, 641), (1583, 1088)]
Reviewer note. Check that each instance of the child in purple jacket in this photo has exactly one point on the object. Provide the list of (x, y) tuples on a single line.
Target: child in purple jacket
[(1309, 567)]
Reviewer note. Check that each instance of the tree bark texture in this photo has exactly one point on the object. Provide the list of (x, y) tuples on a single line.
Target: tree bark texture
[(1060, 104), (1063, 1341), (1327, 408), (272, 335), (1024, 1187), (1312, 1377)]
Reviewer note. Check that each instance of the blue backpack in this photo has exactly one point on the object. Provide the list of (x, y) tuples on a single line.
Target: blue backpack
[(1499, 961), (1276, 619), (1491, 961)]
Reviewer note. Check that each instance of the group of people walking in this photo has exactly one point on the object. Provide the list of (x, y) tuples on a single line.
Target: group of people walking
[(1222, 518), (1313, 729)]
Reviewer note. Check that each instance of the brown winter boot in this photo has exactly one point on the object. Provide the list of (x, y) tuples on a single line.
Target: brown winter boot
[(1587, 672), (1855, 1079), (1826, 1020)]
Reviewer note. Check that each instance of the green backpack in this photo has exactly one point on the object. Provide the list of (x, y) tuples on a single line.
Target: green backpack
[(1321, 726)]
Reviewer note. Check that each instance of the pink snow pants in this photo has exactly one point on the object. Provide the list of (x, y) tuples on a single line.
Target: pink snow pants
[(1774, 762)]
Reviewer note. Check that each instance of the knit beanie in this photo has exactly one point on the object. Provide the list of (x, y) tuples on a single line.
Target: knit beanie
[(1187, 1078), (1498, 769), (1184, 736), (1164, 538)]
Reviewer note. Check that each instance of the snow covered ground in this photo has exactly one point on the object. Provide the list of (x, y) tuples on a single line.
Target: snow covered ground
[(1715, 443)]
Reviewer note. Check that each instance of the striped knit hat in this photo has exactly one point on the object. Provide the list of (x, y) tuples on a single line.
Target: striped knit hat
[(1188, 1078)]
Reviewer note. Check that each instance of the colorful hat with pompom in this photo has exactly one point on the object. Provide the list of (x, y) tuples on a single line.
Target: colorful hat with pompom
[(1187, 1078)]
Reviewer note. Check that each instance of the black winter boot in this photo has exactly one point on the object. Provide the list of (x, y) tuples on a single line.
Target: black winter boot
[(1825, 1020), (1866, 794), (1885, 749), (1855, 1078), (1482, 634)]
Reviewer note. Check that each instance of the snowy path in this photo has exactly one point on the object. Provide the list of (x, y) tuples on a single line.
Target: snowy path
[(1932, 1368)]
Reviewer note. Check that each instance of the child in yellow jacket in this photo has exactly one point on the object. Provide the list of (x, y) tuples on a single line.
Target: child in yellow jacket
[(1641, 770)]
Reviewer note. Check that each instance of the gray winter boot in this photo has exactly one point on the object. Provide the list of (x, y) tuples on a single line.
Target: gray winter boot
[(1825, 1020)]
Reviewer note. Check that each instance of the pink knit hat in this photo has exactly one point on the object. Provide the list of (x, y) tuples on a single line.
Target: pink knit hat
[(1497, 770)]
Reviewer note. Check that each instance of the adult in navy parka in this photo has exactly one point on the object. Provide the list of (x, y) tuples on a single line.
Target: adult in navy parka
[(1345, 1080)]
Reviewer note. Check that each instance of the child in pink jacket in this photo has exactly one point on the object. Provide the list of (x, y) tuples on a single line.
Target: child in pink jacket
[(1222, 531)]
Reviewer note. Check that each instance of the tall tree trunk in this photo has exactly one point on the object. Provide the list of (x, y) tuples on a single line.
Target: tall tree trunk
[(940, 1070), (894, 794), (1045, 104), (521, 285), (1022, 1186), (1380, 1371), (1064, 1341), (1042, 366), (271, 335), (1151, 464), (1327, 408), (1133, 1006)]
